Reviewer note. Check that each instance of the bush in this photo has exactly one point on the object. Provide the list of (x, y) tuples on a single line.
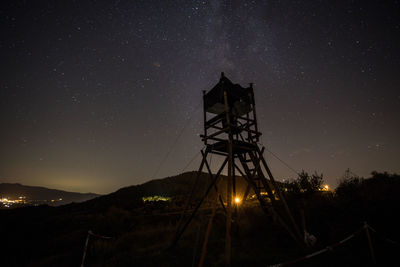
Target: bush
[(305, 183), (349, 186)]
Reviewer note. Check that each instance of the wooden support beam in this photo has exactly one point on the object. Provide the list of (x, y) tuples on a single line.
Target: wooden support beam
[(215, 127), (228, 242), (254, 110), (215, 120), (215, 185), (219, 153), (224, 130), (212, 138), (246, 193), (281, 196), (261, 176), (208, 231), (204, 117), (267, 209), (211, 185), (194, 187)]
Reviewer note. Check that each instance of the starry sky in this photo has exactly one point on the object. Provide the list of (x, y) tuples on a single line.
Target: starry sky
[(96, 95)]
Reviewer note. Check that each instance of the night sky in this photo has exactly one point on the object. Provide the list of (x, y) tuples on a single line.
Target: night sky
[(94, 95)]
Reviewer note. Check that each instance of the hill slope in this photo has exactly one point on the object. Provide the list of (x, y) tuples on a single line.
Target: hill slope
[(178, 187), (141, 232)]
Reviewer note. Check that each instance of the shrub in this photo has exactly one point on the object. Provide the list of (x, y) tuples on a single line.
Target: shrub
[(349, 186), (305, 183)]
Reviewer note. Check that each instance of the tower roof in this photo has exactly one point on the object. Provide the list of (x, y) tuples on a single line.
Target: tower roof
[(239, 98)]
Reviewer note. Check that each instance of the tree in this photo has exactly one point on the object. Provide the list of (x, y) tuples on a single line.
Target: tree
[(310, 184), (349, 184), (305, 183)]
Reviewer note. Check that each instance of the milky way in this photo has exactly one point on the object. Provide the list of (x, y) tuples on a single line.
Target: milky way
[(95, 95)]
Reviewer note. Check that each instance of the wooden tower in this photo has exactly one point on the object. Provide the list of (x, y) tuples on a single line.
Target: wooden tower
[(231, 131)]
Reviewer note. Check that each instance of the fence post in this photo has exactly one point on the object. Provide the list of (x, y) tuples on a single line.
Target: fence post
[(85, 248), (371, 248)]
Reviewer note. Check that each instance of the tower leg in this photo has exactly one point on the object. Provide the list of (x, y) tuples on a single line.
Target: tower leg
[(181, 230), (266, 208), (215, 185), (228, 242), (281, 196), (246, 193), (189, 199)]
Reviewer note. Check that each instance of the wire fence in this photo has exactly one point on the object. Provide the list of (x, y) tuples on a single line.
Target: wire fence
[(365, 228)]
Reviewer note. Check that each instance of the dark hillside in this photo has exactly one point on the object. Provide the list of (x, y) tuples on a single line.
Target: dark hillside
[(176, 187), (141, 232)]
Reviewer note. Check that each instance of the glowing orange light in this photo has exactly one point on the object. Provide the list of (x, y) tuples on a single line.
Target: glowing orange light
[(237, 200)]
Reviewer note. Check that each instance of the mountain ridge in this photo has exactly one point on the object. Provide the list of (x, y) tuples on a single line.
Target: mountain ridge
[(44, 194)]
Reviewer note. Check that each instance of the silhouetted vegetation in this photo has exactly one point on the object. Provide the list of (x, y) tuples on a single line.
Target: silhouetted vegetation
[(305, 183)]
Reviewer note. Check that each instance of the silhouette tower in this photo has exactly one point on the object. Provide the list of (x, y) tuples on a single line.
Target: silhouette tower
[(231, 131)]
